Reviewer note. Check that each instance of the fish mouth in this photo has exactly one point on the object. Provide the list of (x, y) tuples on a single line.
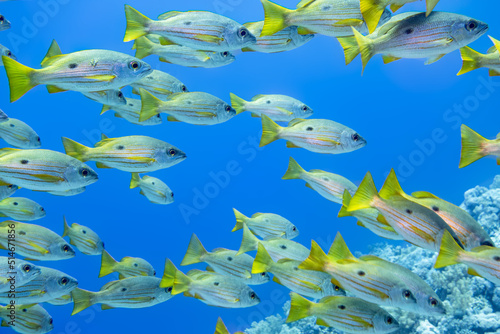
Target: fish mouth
[(483, 29)]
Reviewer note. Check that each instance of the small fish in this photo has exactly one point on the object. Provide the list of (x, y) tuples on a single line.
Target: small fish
[(49, 285), (35, 242), (224, 261), (155, 190), (66, 193), (347, 314), (4, 23), (483, 261), (195, 29), (193, 108), (29, 319), (182, 55), (475, 147), (309, 283), (473, 60), (160, 84), (129, 154), (222, 329), (43, 170), (279, 108), (330, 186), (315, 135), (127, 267), (266, 225), (83, 238), (284, 40), (111, 97), (63, 300), (22, 272), (19, 134), (132, 293), (22, 209), (4, 51), (83, 71), (7, 191), (278, 248), (326, 17), (131, 113)]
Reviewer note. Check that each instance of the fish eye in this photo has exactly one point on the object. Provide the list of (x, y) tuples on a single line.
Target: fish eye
[(84, 232), (172, 194), (471, 25), (120, 94), (27, 268), (84, 172), (242, 32), (252, 295), (136, 265), (65, 248), (496, 258), (228, 108), (225, 54), (433, 302), (51, 321), (15, 204), (305, 108), (184, 88), (172, 152), (42, 209), (8, 53), (2, 19), (389, 320), (10, 186), (407, 294), (124, 289), (64, 281), (294, 228), (134, 65), (168, 290), (154, 273), (103, 245), (263, 274), (336, 288), (355, 137)]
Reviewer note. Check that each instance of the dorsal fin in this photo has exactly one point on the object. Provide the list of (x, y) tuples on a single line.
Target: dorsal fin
[(53, 54), (339, 249), (391, 187), (424, 194), (168, 15), (305, 3), (296, 121)]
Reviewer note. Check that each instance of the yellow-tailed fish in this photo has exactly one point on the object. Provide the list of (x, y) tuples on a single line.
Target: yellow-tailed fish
[(309, 283), (473, 60), (17, 272), (111, 97), (266, 225), (34, 242), (369, 218), (44, 170), (195, 29), (284, 40), (194, 108), (315, 135), (224, 261), (28, 319), (221, 328), (127, 267), (415, 223), (364, 280), (131, 113), (63, 300), (66, 193), (482, 261), (330, 186), (278, 248), (19, 134), (22, 209), (279, 108), (7, 191), (83, 71), (133, 293), (348, 314), (49, 285), (4, 23), (7, 53), (475, 147), (160, 84), (129, 154), (83, 238), (182, 55), (155, 190)]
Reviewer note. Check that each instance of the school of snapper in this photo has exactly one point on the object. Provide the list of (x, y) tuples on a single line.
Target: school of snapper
[(348, 292)]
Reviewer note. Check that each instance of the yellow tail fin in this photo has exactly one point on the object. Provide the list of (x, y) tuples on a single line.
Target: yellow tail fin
[(240, 220), (351, 48), (364, 195), (82, 299), (19, 78), (66, 227), (372, 11), (75, 150), (136, 24), (472, 146), (294, 170), (339, 249), (263, 261), (143, 47), (249, 241), (365, 47), (300, 308), (471, 60), (430, 6), (449, 253), (181, 283), (275, 18), (107, 264), (135, 181), (195, 252), (316, 260), (150, 105), (346, 200), (237, 103), (168, 274), (391, 187), (270, 131)]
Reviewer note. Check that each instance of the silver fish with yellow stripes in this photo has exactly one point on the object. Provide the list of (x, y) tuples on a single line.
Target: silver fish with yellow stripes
[(284, 40), (315, 135), (266, 225), (132, 293), (34, 241), (193, 108), (475, 147), (483, 261), (473, 60), (44, 170), (182, 55), (4, 23), (348, 314), (63, 300), (224, 261), (364, 280), (369, 218), (28, 319), (22, 209), (111, 97), (309, 283), (326, 17), (129, 154), (4, 51), (19, 134), (195, 29), (50, 284), (127, 267), (279, 108), (330, 186), (7, 191), (415, 223), (16, 272), (131, 113), (160, 84), (155, 190), (278, 248), (83, 71), (211, 288), (83, 238)]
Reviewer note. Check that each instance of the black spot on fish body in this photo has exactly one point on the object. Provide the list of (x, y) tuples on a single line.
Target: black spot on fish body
[(22, 233), (361, 273), (268, 101), (216, 283), (188, 23), (12, 125), (409, 31), (435, 208), (496, 258), (72, 66), (120, 147), (15, 204), (309, 128), (124, 289), (229, 258), (24, 162), (326, 8), (131, 104), (342, 307), (408, 211), (283, 247)]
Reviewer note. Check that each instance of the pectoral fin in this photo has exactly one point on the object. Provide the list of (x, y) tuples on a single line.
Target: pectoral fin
[(433, 59), (101, 165), (103, 77), (348, 23), (289, 144)]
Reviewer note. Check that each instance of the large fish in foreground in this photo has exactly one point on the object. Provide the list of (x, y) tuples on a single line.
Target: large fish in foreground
[(473, 60), (475, 147)]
